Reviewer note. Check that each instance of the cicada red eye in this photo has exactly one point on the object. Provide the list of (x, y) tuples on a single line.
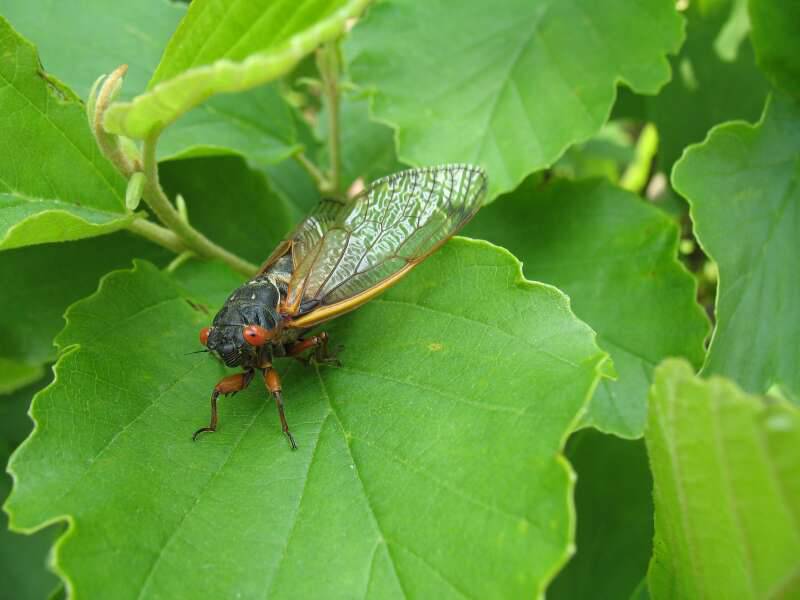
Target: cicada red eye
[(204, 335), (256, 335)]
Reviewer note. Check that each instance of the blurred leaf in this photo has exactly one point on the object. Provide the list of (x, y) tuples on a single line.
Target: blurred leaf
[(229, 202), (22, 557), (508, 86), (44, 280), (80, 39), (604, 155), (726, 490), (222, 47), (616, 257), (706, 88), (15, 374), (776, 37), (615, 518), (256, 124), (294, 186), (417, 472), (741, 184), (54, 184)]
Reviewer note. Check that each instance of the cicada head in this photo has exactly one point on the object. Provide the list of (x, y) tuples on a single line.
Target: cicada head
[(244, 326)]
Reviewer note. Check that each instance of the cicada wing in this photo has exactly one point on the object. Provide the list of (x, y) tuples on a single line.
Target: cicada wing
[(351, 252), (308, 233)]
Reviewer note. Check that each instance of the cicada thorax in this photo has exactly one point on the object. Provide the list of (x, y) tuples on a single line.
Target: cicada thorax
[(248, 325)]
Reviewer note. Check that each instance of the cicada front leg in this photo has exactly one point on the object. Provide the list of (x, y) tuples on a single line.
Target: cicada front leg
[(273, 383), (226, 385), (321, 355)]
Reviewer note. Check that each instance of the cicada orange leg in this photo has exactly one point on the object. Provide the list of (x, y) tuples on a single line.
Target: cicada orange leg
[(319, 343), (273, 383), (226, 385)]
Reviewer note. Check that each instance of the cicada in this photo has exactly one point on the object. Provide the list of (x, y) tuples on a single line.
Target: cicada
[(340, 256)]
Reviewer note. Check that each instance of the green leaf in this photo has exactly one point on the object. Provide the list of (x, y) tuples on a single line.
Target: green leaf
[(220, 47), (706, 88), (54, 184), (741, 184), (256, 124), (22, 557), (81, 39), (726, 490), (616, 257), (506, 85), (428, 465), (42, 281), (613, 500), (15, 374), (231, 203), (776, 37)]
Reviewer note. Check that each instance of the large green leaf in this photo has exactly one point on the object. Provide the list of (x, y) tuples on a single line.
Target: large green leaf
[(708, 86), (54, 184), (776, 37), (41, 282), (613, 500), (428, 465), (234, 205), (742, 185), (616, 257), (223, 47), (506, 85), (79, 40), (726, 491), (22, 558)]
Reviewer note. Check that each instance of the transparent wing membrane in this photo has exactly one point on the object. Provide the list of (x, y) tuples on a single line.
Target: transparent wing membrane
[(342, 250)]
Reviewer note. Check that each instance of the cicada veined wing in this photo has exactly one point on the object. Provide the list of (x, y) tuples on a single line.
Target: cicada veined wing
[(346, 252)]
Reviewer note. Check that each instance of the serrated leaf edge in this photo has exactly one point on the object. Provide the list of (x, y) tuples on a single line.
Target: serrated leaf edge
[(600, 358)]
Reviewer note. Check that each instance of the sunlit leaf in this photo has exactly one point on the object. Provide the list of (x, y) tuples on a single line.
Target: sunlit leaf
[(80, 39), (726, 491), (706, 88), (741, 184), (54, 184), (506, 85), (42, 281), (428, 464), (220, 47), (616, 258)]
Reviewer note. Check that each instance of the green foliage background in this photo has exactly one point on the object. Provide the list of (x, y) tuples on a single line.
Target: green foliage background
[(627, 310)]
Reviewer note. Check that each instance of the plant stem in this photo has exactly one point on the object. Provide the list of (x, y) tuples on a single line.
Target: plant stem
[(328, 64), (109, 144), (178, 261), (169, 216), (157, 234), (313, 171)]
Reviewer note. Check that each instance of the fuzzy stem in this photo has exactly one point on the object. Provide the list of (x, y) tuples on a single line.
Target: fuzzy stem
[(108, 143), (313, 171), (157, 234), (169, 216), (328, 64)]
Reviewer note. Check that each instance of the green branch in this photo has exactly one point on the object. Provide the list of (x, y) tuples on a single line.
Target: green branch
[(169, 216), (328, 66)]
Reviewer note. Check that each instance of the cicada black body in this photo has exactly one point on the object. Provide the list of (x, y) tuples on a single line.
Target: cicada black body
[(339, 257)]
